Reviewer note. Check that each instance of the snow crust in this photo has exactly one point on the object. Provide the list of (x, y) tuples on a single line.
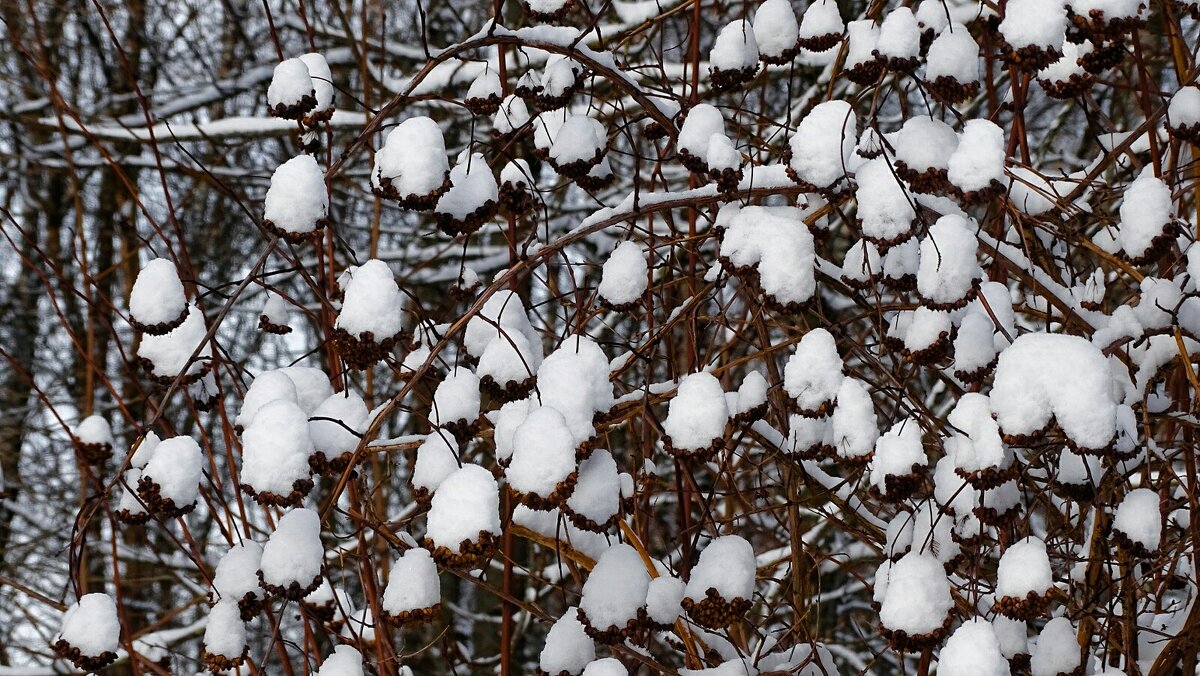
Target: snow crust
[(290, 82), (814, 372), (1037, 23), (735, 47)]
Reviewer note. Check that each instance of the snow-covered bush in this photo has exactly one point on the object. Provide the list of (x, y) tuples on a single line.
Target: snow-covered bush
[(600, 338)]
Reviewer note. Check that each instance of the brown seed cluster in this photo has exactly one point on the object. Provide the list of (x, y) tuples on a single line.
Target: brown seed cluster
[(715, 611), (95, 454), (411, 201), (693, 163), (1187, 132), (1098, 28), (976, 197), (1027, 608), (248, 606), (510, 390), (905, 642), (956, 304), (322, 465), (294, 111), (950, 91), (1130, 546), (164, 508), (300, 489), (187, 378), (751, 415), (724, 80), (635, 630), (483, 105), (293, 591), (584, 523), (408, 618), (930, 181), (976, 376), (822, 410), (470, 554), (296, 237), (727, 180), (989, 477), (462, 429), (517, 199), (219, 663), (1162, 243), (898, 488), (783, 58), (578, 168), (866, 73), (130, 518), (266, 326), (161, 328), (1030, 58), (701, 454), (322, 612), (364, 350), (543, 101), (905, 64), (933, 353), (89, 663), (454, 226), (557, 498), (549, 17), (819, 43), (1084, 492), (1075, 85), (816, 451), (593, 181), (990, 516)]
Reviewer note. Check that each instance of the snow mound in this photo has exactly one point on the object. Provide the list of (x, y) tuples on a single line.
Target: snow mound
[(823, 142), (918, 599), (697, 413), (1044, 376)]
